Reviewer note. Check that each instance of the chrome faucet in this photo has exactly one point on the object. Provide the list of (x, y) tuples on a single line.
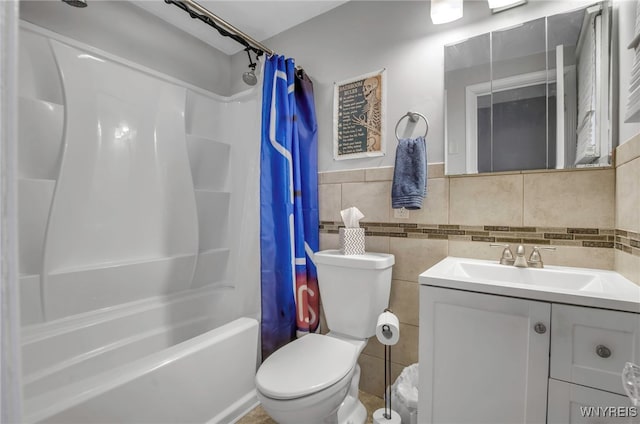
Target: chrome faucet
[(507, 255), (520, 261), (535, 259)]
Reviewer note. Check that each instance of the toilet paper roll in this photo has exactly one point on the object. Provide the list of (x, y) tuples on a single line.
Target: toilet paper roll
[(388, 329)]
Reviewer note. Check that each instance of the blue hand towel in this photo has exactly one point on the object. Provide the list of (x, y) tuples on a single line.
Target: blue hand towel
[(410, 174)]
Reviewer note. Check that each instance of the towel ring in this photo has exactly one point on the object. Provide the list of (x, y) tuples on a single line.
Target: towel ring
[(413, 117)]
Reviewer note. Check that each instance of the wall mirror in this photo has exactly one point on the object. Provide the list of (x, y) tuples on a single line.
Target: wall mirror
[(532, 96)]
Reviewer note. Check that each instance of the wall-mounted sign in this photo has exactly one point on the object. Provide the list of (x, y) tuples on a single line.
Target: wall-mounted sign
[(359, 116)]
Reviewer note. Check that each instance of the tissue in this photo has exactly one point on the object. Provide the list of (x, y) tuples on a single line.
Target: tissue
[(352, 237), (351, 217)]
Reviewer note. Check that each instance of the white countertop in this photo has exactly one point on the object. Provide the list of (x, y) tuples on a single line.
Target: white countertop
[(557, 284)]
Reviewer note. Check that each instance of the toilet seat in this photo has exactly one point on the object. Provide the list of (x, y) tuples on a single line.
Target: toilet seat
[(305, 366)]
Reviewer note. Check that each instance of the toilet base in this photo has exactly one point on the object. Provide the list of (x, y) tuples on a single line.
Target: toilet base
[(352, 411), (356, 413)]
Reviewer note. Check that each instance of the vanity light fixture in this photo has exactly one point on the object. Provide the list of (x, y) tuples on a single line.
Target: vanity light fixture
[(501, 5), (445, 11)]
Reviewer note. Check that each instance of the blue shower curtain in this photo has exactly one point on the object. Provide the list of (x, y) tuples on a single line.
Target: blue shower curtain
[(288, 205), (305, 136)]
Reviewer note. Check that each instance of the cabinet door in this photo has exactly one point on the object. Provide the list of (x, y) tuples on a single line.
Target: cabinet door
[(590, 346), (481, 361), (574, 404)]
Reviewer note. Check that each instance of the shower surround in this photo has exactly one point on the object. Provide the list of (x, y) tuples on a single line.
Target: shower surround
[(137, 192)]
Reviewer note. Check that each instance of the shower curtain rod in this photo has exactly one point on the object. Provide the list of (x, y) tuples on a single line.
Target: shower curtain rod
[(225, 29)]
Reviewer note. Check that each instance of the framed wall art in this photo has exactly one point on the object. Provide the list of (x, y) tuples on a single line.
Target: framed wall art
[(359, 116)]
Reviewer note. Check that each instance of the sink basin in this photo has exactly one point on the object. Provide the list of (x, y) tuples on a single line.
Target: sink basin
[(559, 278), (579, 286)]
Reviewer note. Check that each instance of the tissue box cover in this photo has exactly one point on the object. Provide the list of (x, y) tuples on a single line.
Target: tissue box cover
[(352, 241)]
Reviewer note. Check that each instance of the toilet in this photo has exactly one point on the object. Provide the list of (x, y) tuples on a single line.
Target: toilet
[(315, 378)]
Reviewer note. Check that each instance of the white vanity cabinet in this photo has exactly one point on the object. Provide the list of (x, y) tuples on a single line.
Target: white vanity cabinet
[(489, 358), (483, 358)]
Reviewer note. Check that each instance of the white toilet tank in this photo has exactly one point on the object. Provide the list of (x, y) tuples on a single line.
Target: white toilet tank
[(354, 290)]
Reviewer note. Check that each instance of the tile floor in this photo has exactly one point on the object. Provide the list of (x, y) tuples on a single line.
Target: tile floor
[(258, 416)]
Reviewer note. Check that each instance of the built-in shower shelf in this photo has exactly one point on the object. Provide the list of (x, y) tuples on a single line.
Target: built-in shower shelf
[(222, 192), (219, 250), (211, 267), (41, 181), (206, 139), (50, 104), (36, 184), (209, 162), (221, 285), (112, 265)]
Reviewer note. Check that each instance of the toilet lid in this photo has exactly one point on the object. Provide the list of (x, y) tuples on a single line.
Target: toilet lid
[(304, 366)]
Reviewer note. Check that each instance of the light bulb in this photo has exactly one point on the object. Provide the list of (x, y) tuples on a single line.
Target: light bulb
[(444, 11)]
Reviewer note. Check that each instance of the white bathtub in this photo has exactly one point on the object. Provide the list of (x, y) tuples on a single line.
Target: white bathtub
[(174, 359)]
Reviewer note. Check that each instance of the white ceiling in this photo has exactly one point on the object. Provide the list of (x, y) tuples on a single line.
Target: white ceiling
[(259, 19)]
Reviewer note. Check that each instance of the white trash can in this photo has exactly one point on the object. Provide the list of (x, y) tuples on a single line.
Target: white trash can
[(404, 395)]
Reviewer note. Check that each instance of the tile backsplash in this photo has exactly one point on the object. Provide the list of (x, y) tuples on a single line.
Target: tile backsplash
[(574, 210), (627, 210), (549, 236)]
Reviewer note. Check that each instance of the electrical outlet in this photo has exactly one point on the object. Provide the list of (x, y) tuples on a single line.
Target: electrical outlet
[(401, 213)]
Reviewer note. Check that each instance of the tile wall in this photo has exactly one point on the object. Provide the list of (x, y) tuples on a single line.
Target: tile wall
[(627, 210), (572, 210)]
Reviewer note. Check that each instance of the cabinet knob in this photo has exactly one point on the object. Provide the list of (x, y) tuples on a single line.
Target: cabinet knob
[(540, 328), (603, 351)]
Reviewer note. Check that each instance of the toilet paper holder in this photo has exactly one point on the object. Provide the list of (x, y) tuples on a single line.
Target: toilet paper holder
[(386, 329), (388, 338)]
